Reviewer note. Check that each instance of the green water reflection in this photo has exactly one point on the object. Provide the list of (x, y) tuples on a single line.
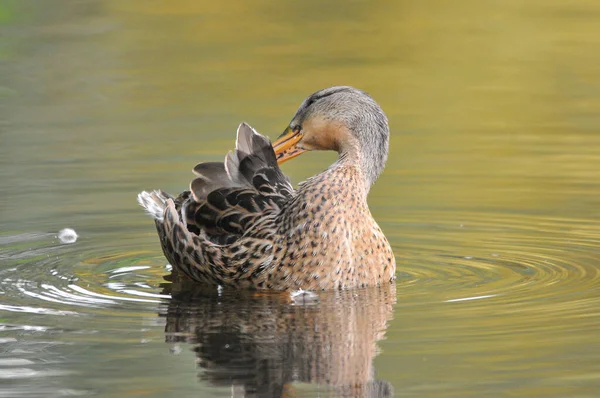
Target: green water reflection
[(490, 197)]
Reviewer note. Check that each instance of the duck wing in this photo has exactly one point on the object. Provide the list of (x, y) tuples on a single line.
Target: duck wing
[(227, 198), (222, 230)]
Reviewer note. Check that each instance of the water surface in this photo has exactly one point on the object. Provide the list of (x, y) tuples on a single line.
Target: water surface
[(491, 197)]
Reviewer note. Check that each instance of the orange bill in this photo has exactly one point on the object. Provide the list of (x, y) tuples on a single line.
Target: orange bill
[(285, 146)]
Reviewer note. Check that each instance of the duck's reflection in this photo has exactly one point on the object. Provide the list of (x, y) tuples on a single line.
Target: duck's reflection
[(260, 343)]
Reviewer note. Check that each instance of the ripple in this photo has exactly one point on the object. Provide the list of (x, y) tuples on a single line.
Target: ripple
[(482, 278), (60, 302), (49, 278), (35, 310), (502, 274)]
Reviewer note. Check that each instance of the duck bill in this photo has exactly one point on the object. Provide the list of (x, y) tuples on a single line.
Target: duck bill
[(285, 146)]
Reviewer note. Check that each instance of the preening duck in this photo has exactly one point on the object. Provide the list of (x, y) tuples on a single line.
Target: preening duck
[(243, 225)]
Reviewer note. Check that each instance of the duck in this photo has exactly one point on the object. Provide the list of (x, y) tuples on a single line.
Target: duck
[(242, 224)]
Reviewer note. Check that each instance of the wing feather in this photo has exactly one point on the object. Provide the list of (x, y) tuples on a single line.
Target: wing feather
[(227, 198)]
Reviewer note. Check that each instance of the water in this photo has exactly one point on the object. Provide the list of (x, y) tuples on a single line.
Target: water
[(490, 197)]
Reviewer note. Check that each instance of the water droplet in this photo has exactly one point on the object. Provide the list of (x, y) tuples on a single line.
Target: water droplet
[(67, 235), (175, 349)]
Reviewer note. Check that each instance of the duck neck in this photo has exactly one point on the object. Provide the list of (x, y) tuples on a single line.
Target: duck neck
[(348, 173), (366, 146), (351, 156)]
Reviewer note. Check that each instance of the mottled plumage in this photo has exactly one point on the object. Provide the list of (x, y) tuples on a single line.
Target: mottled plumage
[(243, 225)]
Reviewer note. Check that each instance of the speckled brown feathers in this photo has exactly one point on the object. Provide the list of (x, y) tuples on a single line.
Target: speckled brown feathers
[(329, 229), (243, 225)]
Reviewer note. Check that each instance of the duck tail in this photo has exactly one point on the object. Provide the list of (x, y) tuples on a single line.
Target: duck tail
[(154, 203)]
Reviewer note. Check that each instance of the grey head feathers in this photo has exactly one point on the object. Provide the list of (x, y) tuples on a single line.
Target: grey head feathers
[(363, 117)]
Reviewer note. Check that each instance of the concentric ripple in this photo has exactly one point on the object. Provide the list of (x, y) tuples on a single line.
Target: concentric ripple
[(45, 276), (486, 255), (59, 298)]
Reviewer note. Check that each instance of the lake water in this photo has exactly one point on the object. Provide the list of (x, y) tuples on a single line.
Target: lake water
[(490, 199)]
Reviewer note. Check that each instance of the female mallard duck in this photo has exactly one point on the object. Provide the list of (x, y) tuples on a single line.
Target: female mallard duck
[(242, 224)]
